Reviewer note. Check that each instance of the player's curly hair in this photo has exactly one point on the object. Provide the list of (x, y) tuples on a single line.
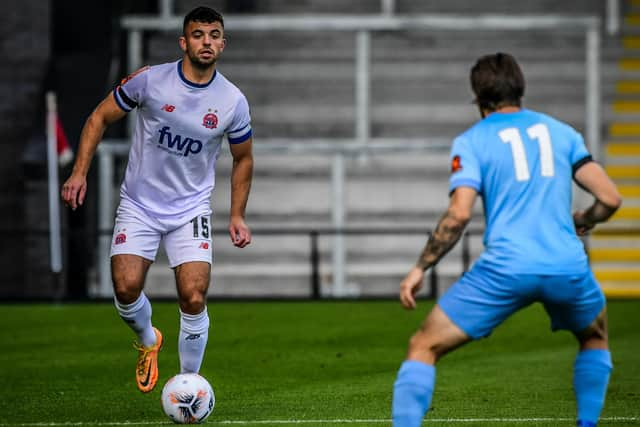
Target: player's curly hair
[(202, 14), (497, 81)]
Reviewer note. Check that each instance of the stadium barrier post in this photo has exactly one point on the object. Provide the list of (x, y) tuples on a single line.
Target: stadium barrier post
[(433, 282), (314, 259), (105, 210), (55, 240), (613, 17), (338, 214), (466, 255)]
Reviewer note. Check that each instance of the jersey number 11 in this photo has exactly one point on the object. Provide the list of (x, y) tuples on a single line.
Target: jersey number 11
[(538, 132)]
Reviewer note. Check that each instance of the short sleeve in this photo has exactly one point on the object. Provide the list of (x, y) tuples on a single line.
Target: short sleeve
[(129, 94), (239, 129), (465, 167), (579, 153)]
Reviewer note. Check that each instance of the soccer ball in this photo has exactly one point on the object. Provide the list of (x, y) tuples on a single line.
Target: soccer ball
[(188, 399)]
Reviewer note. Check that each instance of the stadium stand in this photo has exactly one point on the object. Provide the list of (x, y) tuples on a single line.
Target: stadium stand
[(300, 85), (616, 258)]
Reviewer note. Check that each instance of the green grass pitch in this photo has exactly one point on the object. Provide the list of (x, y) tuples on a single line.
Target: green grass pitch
[(290, 363)]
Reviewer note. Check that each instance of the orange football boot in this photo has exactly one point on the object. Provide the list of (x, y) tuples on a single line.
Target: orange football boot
[(147, 366)]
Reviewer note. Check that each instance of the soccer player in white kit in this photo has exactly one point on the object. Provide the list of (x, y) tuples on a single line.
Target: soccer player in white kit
[(184, 110)]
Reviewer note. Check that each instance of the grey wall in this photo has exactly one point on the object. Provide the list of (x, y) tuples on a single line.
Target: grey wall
[(25, 48)]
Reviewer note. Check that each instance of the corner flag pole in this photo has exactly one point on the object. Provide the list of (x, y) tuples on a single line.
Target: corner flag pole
[(55, 242)]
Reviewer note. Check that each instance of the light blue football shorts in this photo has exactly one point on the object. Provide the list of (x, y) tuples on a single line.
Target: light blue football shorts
[(484, 297)]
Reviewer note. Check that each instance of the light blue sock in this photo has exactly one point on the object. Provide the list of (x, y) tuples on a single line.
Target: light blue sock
[(590, 379), (412, 393)]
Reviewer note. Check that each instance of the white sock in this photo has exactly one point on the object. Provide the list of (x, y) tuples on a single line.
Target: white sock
[(194, 332), (138, 316)]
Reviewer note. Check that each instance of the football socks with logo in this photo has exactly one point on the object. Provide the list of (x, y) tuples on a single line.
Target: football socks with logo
[(138, 316), (412, 393), (194, 332), (590, 379)]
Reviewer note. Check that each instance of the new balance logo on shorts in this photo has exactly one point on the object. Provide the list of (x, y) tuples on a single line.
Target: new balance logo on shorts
[(178, 144), (204, 245), (192, 337)]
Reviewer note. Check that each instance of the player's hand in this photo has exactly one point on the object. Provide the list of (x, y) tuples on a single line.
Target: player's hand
[(582, 226), (239, 232), (74, 190), (409, 286)]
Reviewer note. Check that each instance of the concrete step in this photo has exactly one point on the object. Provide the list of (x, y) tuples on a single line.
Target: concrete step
[(629, 275), (624, 172), (618, 289), (294, 280), (614, 255), (623, 149)]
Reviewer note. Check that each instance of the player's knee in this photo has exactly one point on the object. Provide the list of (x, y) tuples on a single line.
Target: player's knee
[(596, 334), (193, 303), (126, 288), (424, 345)]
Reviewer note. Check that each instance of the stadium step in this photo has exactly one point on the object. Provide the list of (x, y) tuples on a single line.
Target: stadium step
[(629, 191), (624, 129), (630, 275), (627, 87), (623, 171), (627, 149), (293, 280), (614, 255), (619, 282)]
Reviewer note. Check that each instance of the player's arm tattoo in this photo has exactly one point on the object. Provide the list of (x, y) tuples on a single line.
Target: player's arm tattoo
[(443, 238)]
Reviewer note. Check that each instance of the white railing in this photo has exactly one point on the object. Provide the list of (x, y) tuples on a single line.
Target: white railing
[(338, 149), (361, 26), (613, 17)]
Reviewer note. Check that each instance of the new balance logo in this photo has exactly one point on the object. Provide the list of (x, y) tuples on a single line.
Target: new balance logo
[(178, 144), (168, 108), (192, 337)]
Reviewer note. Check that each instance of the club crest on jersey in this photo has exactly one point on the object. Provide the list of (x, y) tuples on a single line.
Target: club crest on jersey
[(121, 238), (210, 121), (456, 164)]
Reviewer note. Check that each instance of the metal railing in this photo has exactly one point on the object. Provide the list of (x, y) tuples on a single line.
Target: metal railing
[(315, 257), (363, 25), (109, 150)]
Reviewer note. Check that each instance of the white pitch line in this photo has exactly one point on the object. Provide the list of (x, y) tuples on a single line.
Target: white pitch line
[(329, 421)]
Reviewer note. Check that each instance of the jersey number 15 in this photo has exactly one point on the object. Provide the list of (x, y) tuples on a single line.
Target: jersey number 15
[(538, 132)]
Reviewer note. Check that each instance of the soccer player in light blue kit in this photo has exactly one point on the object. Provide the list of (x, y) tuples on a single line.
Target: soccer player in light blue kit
[(521, 163)]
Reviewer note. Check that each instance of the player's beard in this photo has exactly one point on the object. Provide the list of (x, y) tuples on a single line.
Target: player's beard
[(198, 63)]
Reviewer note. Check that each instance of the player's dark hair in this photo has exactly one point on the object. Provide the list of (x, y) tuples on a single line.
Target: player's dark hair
[(202, 14), (497, 81)]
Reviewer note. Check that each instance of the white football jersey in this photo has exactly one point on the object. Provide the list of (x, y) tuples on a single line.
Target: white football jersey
[(177, 138)]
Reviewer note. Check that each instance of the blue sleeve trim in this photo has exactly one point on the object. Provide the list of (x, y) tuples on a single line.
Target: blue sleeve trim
[(122, 106), (125, 98), (240, 139)]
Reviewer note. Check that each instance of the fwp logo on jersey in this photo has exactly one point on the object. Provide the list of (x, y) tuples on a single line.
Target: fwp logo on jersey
[(178, 144)]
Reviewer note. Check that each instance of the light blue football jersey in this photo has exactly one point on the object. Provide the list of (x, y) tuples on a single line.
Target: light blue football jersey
[(522, 166)]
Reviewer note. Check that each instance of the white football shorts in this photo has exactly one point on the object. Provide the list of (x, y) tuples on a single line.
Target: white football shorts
[(135, 234)]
